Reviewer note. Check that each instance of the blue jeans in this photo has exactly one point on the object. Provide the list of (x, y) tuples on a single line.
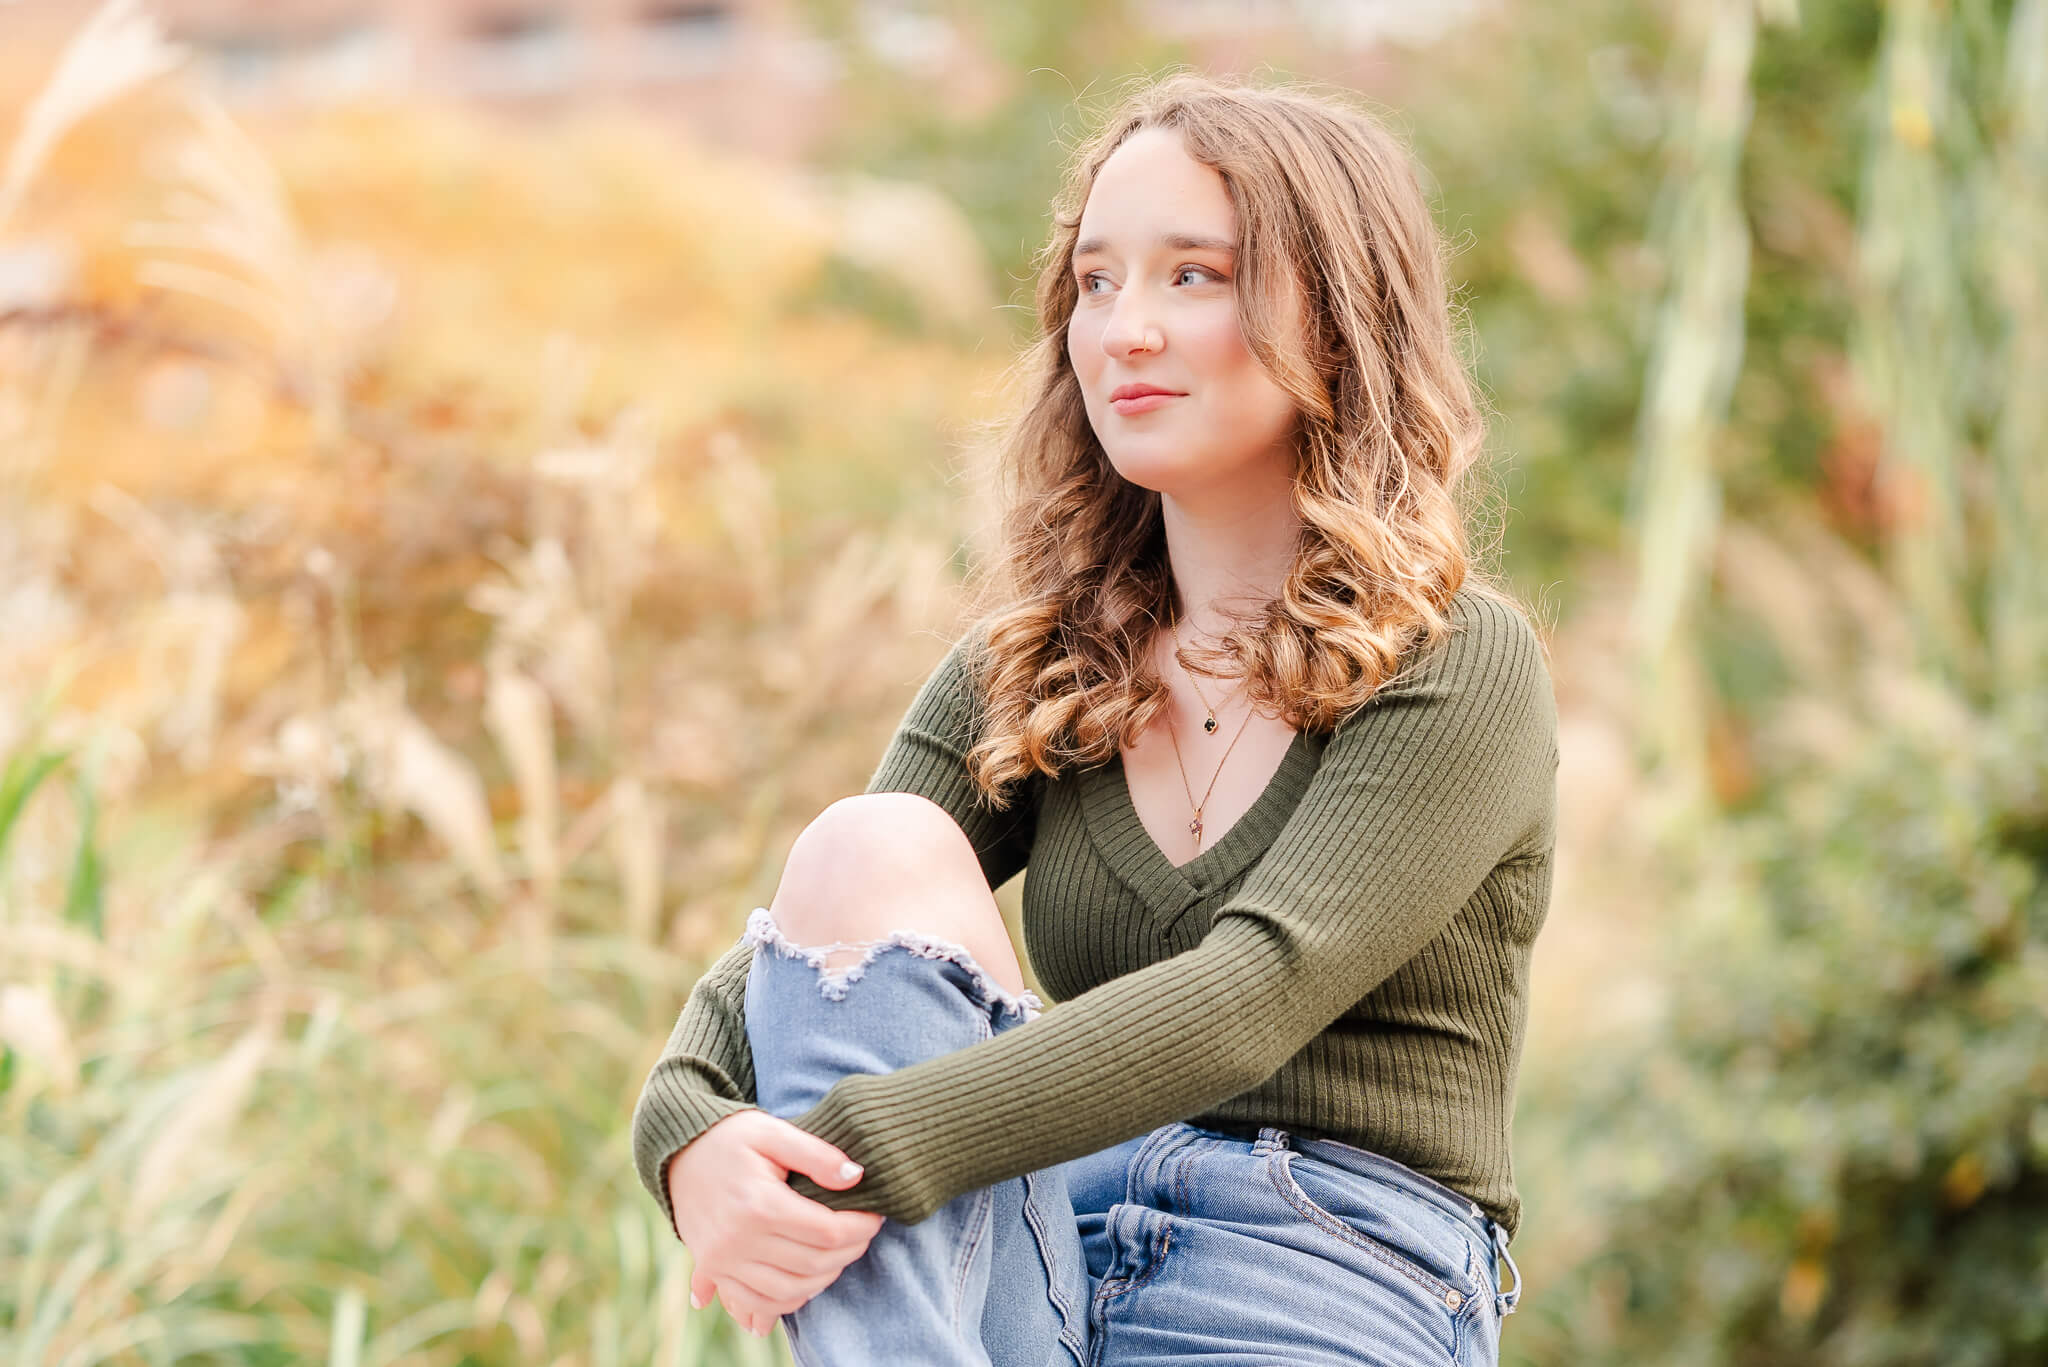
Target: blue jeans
[(1175, 1244)]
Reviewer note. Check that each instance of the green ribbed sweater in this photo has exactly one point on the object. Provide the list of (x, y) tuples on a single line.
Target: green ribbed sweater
[(1349, 961)]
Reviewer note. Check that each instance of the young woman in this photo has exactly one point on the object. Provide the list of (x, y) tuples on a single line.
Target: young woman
[(1284, 774)]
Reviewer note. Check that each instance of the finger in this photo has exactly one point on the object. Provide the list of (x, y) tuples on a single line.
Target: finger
[(766, 1246), (783, 1279), (774, 1258), (798, 1295), (740, 1302), (808, 1288), (804, 1258), (798, 1150), (824, 1261), (748, 1307), (805, 1221), (795, 1284), (800, 1261), (772, 1284)]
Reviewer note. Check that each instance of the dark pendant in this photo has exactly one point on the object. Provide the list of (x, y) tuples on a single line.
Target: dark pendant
[(1195, 828), (1209, 725)]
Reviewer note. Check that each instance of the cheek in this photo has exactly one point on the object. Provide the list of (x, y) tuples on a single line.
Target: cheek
[(1084, 352), (1225, 343), (1233, 368), (1212, 345), (1251, 408)]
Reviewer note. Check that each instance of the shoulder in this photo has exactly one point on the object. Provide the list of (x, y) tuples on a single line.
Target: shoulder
[(1491, 664), (959, 671), (1489, 632)]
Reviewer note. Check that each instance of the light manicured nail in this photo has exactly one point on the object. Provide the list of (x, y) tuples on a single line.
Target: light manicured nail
[(849, 1170)]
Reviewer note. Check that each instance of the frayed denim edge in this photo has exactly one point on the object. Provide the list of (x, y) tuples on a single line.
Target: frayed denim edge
[(761, 929)]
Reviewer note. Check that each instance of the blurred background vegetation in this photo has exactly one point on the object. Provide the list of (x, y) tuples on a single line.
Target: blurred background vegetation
[(413, 487)]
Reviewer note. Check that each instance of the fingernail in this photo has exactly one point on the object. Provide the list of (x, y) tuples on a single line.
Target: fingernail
[(849, 1170), (695, 1303)]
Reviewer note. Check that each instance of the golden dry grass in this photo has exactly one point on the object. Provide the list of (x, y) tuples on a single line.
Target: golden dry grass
[(441, 568)]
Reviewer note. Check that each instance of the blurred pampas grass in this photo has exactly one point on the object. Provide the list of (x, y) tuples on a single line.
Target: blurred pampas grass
[(395, 714), (118, 49)]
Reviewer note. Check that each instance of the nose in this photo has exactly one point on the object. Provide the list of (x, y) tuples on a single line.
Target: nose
[(1130, 329)]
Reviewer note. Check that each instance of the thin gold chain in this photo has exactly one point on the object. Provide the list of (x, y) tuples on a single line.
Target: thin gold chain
[(1189, 675), (1173, 734), (1207, 706)]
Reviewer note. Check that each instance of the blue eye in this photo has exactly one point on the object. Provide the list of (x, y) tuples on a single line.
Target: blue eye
[(1092, 276)]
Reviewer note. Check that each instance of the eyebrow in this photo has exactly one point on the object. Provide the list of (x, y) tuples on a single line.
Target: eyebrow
[(1186, 242)]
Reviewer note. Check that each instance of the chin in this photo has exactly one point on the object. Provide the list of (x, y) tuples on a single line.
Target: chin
[(1148, 470), (1168, 464)]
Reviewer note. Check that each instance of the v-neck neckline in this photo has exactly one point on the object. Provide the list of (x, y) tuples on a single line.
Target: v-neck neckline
[(1120, 835)]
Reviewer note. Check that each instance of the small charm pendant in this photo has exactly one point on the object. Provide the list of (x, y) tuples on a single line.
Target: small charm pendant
[(1195, 826), (1210, 725)]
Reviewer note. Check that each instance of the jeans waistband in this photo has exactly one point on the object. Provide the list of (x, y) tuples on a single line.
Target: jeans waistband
[(1453, 1203)]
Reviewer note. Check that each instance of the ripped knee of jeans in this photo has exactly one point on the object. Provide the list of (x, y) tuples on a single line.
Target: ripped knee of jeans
[(836, 973)]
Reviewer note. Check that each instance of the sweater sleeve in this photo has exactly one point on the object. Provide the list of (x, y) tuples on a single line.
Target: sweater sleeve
[(1446, 773), (704, 1074), (706, 1070)]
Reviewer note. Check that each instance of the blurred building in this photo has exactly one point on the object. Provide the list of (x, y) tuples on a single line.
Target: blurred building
[(743, 72), (746, 74)]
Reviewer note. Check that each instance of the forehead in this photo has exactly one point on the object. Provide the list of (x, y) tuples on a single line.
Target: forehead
[(1149, 192)]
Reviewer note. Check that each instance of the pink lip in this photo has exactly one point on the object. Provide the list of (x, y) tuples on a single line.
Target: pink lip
[(1144, 403)]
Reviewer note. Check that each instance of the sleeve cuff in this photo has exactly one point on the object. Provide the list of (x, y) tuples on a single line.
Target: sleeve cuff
[(671, 1114), (888, 1185)]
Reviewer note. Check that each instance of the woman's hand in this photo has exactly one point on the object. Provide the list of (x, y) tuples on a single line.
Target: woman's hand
[(758, 1246)]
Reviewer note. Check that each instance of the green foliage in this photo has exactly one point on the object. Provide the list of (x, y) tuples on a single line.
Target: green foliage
[(1539, 145), (26, 769), (1837, 1152), (1834, 1149), (85, 892), (376, 1141), (1001, 164), (849, 287)]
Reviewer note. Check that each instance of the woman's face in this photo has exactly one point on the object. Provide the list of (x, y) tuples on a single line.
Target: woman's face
[(1155, 267)]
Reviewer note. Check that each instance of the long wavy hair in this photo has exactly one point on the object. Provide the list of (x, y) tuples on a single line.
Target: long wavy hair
[(1330, 212)]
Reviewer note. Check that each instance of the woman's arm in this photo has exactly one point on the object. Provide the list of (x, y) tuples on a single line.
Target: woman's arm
[(704, 1074), (1418, 797), (706, 1071)]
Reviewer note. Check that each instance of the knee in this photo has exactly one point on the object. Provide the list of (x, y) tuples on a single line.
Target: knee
[(885, 832), (871, 865), (879, 849)]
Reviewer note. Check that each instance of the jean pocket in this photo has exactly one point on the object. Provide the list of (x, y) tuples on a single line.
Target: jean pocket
[(1049, 1213), (1383, 1222)]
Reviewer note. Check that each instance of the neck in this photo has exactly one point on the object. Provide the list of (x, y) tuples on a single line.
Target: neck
[(1229, 548)]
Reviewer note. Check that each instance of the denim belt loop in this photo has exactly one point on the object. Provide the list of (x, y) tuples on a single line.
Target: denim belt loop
[(1506, 1301)]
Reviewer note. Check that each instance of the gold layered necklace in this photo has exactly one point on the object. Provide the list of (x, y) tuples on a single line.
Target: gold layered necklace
[(1209, 726)]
